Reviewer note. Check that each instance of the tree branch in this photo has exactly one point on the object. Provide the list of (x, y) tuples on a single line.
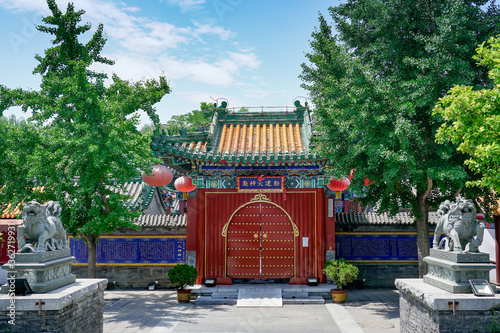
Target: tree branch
[(429, 188)]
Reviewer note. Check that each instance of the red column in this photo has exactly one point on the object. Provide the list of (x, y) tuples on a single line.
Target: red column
[(192, 210)]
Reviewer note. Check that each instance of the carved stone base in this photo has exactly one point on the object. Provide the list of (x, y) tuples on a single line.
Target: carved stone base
[(451, 271), (42, 256), (43, 271)]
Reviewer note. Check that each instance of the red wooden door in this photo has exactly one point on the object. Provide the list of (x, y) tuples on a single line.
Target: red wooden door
[(243, 243), (278, 243), (260, 241)]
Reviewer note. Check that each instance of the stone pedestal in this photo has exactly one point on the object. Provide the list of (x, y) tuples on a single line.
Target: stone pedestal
[(76, 308), (425, 308), (44, 271), (451, 271)]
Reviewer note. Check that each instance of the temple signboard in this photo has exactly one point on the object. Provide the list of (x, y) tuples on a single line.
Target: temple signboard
[(258, 184)]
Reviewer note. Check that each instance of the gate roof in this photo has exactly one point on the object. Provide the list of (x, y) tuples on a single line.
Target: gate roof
[(243, 138)]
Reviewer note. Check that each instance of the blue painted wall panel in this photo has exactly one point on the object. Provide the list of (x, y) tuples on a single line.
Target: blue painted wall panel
[(132, 250)]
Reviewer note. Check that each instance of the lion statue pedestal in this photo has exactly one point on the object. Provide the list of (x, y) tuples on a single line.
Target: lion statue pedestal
[(43, 256), (455, 259)]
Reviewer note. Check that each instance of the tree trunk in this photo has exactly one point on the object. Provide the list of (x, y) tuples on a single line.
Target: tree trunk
[(91, 263), (423, 241)]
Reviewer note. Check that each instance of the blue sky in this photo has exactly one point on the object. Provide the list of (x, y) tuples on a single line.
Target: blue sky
[(248, 52)]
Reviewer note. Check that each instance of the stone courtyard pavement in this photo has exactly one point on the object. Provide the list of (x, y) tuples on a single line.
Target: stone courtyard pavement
[(366, 310)]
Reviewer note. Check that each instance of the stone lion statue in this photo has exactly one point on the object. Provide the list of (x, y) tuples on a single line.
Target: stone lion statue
[(457, 220), (42, 230)]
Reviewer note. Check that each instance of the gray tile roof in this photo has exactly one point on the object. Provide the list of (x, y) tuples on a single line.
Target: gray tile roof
[(146, 198), (170, 221), (379, 219)]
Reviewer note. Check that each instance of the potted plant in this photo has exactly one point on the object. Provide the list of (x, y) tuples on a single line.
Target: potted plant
[(180, 277), (342, 273)]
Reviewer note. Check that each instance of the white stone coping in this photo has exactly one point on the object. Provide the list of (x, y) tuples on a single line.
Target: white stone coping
[(437, 299), (459, 265), (56, 299), (202, 289)]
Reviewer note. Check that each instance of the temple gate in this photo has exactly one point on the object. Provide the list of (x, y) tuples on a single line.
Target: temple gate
[(258, 212)]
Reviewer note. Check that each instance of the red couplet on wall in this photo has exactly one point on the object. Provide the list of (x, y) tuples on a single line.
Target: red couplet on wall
[(260, 235)]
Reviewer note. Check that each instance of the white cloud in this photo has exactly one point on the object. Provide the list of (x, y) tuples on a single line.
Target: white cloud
[(201, 29), (25, 5), (131, 9), (145, 43), (186, 5), (219, 73), (244, 59), (194, 98)]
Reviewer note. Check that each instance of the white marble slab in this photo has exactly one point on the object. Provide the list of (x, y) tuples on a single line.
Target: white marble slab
[(259, 297)]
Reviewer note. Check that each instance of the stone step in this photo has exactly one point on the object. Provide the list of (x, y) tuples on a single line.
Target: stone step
[(225, 295), (304, 300), (208, 300), (301, 294), (260, 297)]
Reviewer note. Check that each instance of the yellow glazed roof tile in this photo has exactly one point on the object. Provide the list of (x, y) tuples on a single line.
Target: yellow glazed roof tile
[(8, 213), (260, 139)]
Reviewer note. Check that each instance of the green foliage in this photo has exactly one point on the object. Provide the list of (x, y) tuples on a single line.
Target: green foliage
[(472, 120), (147, 129), (341, 272), (191, 121), (374, 85), (182, 276), (81, 143), (17, 142)]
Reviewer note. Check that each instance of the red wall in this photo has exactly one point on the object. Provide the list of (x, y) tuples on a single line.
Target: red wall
[(215, 207), (4, 243), (329, 227)]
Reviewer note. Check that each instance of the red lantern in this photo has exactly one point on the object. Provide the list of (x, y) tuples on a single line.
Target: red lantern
[(367, 182), (184, 184), (161, 176), (339, 184)]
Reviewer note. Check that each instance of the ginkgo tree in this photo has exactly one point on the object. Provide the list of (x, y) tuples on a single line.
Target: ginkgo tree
[(472, 119), (374, 76), (83, 143)]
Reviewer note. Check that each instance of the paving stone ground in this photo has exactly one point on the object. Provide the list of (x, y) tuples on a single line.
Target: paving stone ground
[(366, 310)]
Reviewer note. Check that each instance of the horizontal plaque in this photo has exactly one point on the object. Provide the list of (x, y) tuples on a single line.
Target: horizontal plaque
[(260, 184)]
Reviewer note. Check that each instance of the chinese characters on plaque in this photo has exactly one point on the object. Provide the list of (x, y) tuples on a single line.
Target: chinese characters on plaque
[(258, 184)]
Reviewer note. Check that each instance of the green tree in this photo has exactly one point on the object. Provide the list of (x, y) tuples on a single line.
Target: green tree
[(191, 121), (86, 144), (472, 120), (374, 85), (147, 129), (16, 144)]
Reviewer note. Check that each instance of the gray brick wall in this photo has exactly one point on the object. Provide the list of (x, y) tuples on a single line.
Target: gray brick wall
[(85, 315), (137, 277), (415, 317), (383, 275)]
